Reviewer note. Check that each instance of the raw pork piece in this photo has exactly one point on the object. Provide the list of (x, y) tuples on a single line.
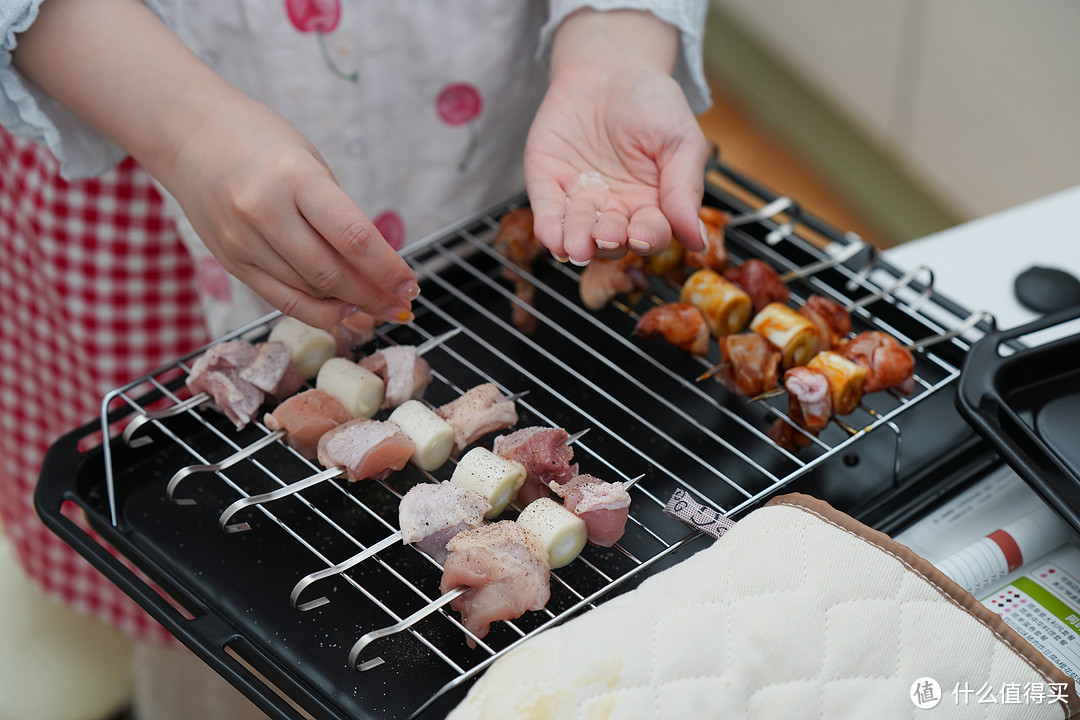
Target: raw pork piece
[(602, 505), (352, 332), (217, 373), (273, 371), (429, 515), (506, 569), (546, 456), (305, 418), (481, 410), (405, 373), (366, 448)]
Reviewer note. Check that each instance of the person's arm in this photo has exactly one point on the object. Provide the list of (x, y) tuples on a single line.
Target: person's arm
[(615, 158), (254, 188)]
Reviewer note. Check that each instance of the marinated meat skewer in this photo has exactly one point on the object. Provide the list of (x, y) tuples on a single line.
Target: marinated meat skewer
[(517, 243)]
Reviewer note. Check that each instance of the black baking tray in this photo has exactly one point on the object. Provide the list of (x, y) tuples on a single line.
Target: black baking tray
[(1026, 402)]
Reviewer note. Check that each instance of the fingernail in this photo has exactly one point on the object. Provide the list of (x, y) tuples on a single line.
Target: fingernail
[(579, 263), (405, 316), (607, 245), (408, 290), (562, 258), (349, 311), (640, 245), (704, 235)]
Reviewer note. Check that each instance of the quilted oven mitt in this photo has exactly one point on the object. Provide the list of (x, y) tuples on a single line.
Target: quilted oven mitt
[(799, 611)]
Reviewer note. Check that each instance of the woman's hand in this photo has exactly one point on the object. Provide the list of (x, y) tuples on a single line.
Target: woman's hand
[(266, 205), (254, 188), (615, 159)]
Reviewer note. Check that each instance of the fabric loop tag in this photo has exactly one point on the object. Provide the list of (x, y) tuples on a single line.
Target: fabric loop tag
[(690, 512)]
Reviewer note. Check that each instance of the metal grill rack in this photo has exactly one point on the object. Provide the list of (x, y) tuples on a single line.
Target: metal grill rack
[(227, 595)]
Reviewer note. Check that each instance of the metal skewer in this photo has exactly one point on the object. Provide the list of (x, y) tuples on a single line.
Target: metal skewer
[(133, 427), (250, 450), (360, 557), (447, 597), (282, 492)]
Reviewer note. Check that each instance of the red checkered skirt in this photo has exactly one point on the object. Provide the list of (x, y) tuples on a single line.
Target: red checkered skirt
[(96, 289)]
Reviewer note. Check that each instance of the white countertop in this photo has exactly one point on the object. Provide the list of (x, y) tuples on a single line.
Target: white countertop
[(975, 263)]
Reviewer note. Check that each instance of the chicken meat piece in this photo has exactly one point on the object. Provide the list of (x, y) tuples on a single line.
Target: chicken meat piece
[(830, 318), (506, 570), (810, 390), (681, 324), (604, 507), (602, 280), (352, 332), (760, 281), (273, 371), (751, 364), (517, 243), (430, 514), (217, 373), (404, 372), (888, 363), (544, 453), (306, 417), (365, 448), (715, 256), (481, 410)]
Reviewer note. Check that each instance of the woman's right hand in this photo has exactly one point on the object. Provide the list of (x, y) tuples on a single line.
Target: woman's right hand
[(269, 209), (254, 188)]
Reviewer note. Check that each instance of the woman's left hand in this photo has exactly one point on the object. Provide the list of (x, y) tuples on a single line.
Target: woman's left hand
[(615, 159)]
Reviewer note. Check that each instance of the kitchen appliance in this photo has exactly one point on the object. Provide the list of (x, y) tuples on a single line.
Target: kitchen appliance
[(240, 599)]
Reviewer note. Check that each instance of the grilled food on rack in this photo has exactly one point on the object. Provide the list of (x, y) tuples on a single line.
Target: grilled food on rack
[(680, 324), (306, 417), (365, 448), (713, 257), (603, 506), (789, 332), (432, 436), (517, 243), (545, 454), (847, 374), (888, 363), (430, 514), (235, 373), (832, 320), (760, 281), (751, 364), (602, 280), (481, 410), (405, 373), (725, 305), (847, 380), (506, 569)]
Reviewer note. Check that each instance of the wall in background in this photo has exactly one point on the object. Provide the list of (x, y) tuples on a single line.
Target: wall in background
[(928, 113)]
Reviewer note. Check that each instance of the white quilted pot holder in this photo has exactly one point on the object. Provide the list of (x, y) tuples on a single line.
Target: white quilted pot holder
[(798, 612)]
